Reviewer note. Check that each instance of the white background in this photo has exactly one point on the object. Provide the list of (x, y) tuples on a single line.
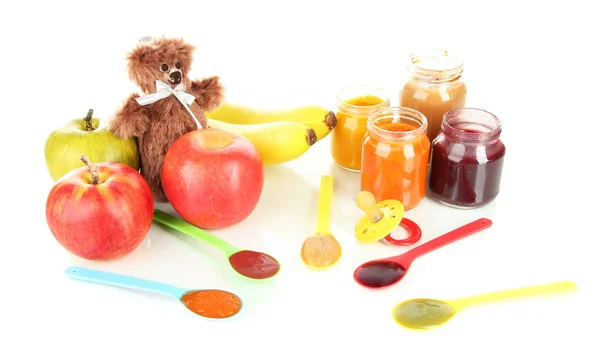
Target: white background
[(534, 65)]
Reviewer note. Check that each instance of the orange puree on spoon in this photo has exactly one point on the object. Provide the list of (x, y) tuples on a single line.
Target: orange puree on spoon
[(212, 303)]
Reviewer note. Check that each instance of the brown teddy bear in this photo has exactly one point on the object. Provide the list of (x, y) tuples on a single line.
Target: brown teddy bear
[(172, 106)]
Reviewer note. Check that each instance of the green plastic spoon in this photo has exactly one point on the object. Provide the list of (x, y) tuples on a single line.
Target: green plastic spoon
[(251, 264)]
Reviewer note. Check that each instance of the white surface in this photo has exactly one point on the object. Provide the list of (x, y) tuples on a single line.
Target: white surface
[(534, 66)]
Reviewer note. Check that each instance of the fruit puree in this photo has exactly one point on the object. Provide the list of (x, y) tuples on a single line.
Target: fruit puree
[(353, 111), (379, 274), (212, 303), (254, 264), (395, 158), (464, 180), (423, 313)]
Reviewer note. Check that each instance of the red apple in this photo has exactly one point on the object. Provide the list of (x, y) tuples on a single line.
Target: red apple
[(213, 178), (101, 211)]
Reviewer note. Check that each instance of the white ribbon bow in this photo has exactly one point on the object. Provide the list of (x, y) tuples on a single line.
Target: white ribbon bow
[(163, 90)]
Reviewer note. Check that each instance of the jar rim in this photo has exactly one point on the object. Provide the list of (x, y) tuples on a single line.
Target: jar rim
[(491, 124), (402, 113), (369, 89), (435, 65)]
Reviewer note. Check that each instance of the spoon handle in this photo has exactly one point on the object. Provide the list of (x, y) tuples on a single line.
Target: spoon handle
[(516, 293), (118, 280), (324, 210), (197, 233), (450, 237)]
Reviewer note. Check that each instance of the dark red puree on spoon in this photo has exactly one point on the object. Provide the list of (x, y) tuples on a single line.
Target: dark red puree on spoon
[(386, 272), (254, 264), (376, 274)]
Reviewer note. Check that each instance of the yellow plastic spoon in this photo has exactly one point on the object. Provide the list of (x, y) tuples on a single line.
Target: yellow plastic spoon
[(424, 313), (321, 250)]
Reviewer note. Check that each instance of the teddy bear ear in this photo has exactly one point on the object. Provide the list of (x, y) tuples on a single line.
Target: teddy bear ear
[(140, 54), (187, 49)]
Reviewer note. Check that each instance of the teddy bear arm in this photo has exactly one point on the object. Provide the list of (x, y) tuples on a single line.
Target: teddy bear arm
[(208, 92), (131, 120)]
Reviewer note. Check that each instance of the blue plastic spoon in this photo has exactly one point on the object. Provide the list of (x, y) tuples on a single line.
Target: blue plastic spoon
[(208, 303)]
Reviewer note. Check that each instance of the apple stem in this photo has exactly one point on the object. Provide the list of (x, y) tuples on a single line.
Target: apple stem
[(93, 169), (88, 121)]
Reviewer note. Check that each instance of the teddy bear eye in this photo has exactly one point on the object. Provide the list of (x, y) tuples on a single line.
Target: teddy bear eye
[(178, 65), (164, 67)]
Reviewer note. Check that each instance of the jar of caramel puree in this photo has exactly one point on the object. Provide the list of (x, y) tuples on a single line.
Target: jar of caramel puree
[(354, 104), (434, 86)]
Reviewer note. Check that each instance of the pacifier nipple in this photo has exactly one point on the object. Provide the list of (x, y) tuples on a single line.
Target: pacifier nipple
[(366, 202)]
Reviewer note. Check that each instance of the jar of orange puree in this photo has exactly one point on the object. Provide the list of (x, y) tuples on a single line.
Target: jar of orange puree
[(395, 155), (354, 104), (434, 87)]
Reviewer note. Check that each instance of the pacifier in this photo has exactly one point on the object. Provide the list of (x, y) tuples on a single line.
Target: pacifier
[(381, 219)]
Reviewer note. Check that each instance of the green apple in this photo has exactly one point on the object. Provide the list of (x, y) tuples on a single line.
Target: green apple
[(82, 136)]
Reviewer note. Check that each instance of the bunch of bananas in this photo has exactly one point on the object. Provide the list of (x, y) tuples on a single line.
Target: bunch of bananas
[(278, 135)]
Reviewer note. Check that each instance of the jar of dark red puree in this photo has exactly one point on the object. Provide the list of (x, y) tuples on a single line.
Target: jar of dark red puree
[(467, 159)]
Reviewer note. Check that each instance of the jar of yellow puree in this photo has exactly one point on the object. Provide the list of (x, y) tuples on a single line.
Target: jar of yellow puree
[(354, 103)]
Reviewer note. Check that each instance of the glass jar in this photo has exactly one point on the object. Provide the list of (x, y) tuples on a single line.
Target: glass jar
[(434, 86), (395, 155), (354, 104), (467, 159)]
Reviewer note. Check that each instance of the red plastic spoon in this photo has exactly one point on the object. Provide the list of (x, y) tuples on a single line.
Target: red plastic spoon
[(382, 273)]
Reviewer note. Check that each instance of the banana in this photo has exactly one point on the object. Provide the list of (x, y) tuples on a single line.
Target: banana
[(321, 120), (276, 142), (322, 126)]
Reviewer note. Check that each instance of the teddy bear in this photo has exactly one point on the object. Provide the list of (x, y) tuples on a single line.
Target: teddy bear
[(172, 104)]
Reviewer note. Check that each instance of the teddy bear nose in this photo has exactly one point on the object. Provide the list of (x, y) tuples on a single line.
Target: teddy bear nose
[(175, 77)]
